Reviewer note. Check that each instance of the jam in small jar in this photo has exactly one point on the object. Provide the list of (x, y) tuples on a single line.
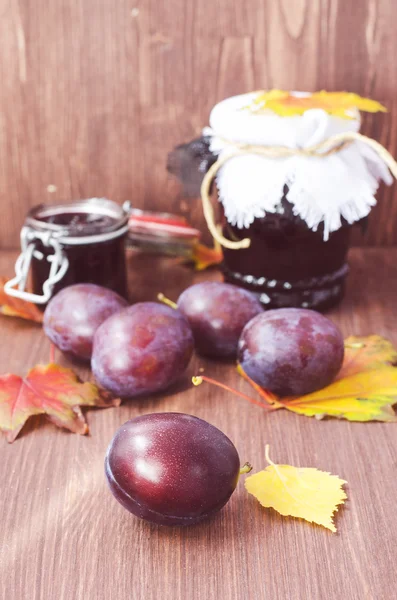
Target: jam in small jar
[(78, 242)]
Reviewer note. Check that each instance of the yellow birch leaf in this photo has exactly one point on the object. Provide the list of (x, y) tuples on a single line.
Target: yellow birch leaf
[(339, 104), (346, 101), (305, 493)]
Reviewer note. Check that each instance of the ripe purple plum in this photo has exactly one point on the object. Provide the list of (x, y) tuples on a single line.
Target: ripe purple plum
[(217, 313), (171, 468), (142, 349), (72, 317), (291, 351)]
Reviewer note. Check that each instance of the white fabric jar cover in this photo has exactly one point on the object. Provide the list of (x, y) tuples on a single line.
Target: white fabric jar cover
[(321, 190)]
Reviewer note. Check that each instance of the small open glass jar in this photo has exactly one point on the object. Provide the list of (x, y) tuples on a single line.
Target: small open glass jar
[(78, 242)]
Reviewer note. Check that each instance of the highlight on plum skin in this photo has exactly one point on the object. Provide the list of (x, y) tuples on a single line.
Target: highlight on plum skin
[(144, 348), (217, 313), (72, 317), (291, 351), (171, 468)]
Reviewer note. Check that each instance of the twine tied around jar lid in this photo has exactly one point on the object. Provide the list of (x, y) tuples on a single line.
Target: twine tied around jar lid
[(331, 145)]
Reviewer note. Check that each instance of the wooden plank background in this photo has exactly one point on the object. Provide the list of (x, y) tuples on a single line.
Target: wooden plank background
[(93, 94)]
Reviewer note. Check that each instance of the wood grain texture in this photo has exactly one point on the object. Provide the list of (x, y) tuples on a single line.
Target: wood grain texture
[(94, 94), (64, 537)]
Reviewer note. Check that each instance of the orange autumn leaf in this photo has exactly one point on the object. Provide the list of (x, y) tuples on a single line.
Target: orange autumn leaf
[(340, 104), (366, 396), (365, 354), (16, 307), (204, 257), (365, 390), (51, 390)]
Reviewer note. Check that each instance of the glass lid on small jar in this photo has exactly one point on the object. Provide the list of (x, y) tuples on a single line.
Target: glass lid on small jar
[(77, 242), (81, 219)]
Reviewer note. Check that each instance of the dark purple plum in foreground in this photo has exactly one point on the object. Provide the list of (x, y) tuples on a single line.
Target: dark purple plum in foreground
[(75, 313), (171, 468), (142, 349), (217, 313), (291, 351)]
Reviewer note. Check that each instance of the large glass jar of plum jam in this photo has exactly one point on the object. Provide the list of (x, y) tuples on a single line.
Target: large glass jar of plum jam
[(296, 210), (78, 242)]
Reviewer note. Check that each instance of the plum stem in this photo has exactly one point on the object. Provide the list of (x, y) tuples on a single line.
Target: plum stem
[(198, 380), (265, 394), (267, 456), (246, 468), (166, 301), (52, 353)]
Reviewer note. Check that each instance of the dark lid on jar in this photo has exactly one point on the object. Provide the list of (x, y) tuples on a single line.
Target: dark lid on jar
[(80, 219)]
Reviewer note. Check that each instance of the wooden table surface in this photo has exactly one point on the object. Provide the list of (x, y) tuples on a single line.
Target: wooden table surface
[(64, 537)]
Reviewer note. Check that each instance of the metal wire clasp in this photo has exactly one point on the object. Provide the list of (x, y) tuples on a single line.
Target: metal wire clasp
[(58, 260)]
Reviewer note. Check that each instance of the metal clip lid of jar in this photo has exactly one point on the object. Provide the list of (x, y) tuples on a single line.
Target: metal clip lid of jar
[(60, 228)]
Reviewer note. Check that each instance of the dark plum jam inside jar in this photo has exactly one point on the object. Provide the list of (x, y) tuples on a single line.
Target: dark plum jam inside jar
[(79, 222), (88, 236), (288, 264)]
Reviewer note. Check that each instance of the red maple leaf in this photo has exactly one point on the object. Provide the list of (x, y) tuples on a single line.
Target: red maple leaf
[(51, 390), (16, 307)]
